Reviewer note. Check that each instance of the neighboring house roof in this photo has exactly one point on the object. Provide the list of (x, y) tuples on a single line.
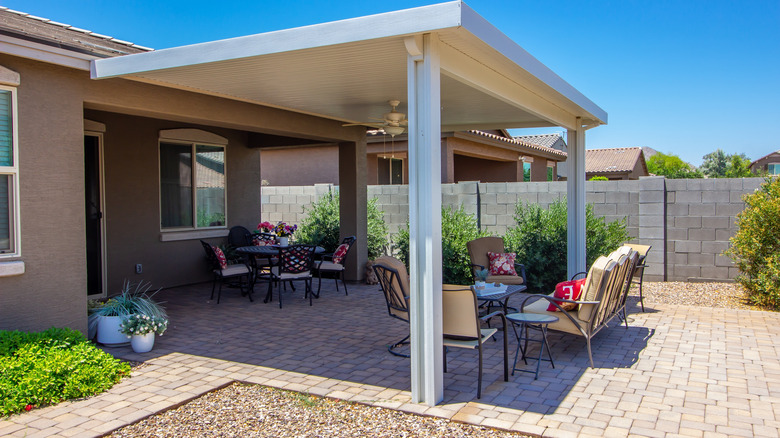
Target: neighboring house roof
[(546, 140), (764, 157), (520, 142), (51, 33), (615, 160)]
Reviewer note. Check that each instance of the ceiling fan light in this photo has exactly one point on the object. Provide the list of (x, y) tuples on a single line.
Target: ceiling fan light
[(394, 130)]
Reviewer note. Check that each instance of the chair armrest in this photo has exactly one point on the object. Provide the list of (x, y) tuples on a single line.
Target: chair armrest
[(578, 274), (520, 269), (490, 315), (560, 309)]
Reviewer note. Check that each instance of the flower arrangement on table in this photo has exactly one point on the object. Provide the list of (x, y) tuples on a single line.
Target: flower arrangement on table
[(265, 227), (140, 324), (284, 230)]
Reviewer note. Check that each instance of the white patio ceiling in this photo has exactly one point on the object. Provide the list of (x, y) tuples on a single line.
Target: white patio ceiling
[(348, 70)]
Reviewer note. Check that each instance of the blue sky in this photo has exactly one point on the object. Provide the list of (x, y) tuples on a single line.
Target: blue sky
[(683, 77)]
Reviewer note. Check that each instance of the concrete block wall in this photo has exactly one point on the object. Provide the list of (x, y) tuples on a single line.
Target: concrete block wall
[(687, 222)]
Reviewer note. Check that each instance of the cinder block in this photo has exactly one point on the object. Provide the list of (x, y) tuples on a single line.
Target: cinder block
[(399, 199), (283, 208), (677, 233), (282, 190), (467, 199), (715, 272), (651, 196), (715, 196), (716, 247), (729, 209), (715, 222), (489, 198), (651, 209), (297, 190), (677, 209), (616, 197), (558, 187), (735, 184), (671, 197), (392, 209), (651, 221), (496, 209), (605, 209), (626, 209), (675, 258), (723, 235), (721, 184), (488, 220), (633, 232), (688, 222), (651, 232), (301, 199), (651, 183), (595, 197), (733, 272), (750, 185), (495, 187), (686, 272), (687, 246), (701, 259), (275, 199), (701, 210), (735, 197), (695, 184), (721, 260), (676, 184), (275, 217), (547, 198), (701, 234), (506, 198), (297, 208), (450, 200), (633, 197), (528, 198), (688, 196)]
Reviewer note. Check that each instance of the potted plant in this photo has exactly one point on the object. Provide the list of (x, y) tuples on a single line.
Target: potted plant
[(134, 299), (284, 231), (141, 328), (480, 277), (265, 227)]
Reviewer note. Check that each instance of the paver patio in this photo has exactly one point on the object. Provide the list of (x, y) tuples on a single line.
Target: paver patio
[(676, 371)]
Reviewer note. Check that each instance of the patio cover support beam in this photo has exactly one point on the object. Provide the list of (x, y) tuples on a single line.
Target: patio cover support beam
[(353, 201), (575, 200), (424, 94)]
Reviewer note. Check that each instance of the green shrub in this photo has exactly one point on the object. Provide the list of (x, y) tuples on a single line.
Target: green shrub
[(44, 368), (457, 228), (321, 226), (756, 247), (540, 238), (598, 178)]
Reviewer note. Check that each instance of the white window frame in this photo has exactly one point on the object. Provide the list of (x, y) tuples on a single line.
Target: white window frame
[(13, 171), (193, 145), (771, 166)]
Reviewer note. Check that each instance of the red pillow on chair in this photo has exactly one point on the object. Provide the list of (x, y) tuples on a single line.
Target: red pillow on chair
[(341, 252), (502, 263), (568, 290), (220, 256)]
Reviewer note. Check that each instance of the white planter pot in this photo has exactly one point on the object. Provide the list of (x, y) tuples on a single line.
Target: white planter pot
[(283, 241), (108, 332), (142, 343)]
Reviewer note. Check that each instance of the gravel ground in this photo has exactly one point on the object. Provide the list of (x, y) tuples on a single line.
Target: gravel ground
[(241, 410)]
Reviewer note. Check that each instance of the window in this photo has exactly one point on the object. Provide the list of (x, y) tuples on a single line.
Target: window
[(550, 172), (184, 166), (9, 175), (773, 168), (390, 171), (526, 171)]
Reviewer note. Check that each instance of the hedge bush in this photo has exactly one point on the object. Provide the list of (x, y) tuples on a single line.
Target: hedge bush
[(457, 228), (321, 226), (38, 369), (540, 237), (755, 248)]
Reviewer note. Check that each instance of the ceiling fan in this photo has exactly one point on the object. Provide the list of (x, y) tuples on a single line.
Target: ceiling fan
[(392, 123)]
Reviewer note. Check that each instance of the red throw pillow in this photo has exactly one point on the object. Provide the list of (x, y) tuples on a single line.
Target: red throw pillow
[(568, 290), (341, 252), (502, 263), (220, 257)]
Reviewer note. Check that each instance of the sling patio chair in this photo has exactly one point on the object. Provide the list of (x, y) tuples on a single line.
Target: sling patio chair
[(639, 271), (239, 275), (461, 326), (394, 282), (335, 264), (481, 250)]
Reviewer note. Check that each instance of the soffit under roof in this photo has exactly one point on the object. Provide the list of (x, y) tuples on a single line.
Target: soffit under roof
[(348, 70)]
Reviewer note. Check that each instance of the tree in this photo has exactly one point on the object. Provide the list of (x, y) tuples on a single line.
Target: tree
[(718, 164), (671, 166)]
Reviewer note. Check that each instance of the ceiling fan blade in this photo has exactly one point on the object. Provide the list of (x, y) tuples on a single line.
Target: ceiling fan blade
[(372, 124)]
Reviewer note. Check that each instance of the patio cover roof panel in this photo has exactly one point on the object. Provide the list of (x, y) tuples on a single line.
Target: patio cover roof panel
[(348, 70)]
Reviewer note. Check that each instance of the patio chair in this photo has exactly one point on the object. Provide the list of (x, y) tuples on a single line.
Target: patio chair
[(639, 270), (239, 236), (335, 264), (295, 264), (263, 239), (394, 282), (237, 275), (478, 252), (462, 329)]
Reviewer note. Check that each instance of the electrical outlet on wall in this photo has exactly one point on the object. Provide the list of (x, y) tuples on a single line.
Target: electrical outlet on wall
[(139, 268)]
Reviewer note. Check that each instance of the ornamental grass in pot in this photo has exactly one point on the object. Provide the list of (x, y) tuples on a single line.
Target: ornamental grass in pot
[(134, 299)]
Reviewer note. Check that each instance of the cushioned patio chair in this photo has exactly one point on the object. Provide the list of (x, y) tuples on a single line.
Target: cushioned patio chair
[(335, 264), (239, 236), (478, 252), (461, 326), (639, 271), (239, 275), (295, 264), (394, 282)]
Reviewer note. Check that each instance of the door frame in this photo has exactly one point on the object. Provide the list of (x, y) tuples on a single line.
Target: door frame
[(102, 221)]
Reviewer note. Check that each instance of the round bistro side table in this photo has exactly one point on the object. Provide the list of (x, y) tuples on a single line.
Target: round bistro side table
[(536, 322)]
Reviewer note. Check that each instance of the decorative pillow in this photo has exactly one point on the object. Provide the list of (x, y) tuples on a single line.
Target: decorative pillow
[(341, 252), (221, 257), (568, 290), (502, 263)]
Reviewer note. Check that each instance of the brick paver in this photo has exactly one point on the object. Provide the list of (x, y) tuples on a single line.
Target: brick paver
[(676, 370)]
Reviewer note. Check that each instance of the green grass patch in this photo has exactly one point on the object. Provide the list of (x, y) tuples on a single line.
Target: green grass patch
[(39, 369)]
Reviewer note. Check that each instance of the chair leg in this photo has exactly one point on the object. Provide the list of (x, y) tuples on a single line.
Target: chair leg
[(590, 354), (213, 286), (403, 341), (219, 293), (280, 291), (269, 296), (641, 298), (479, 378), (506, 354), (310, 291), (444, 358), (344, 283)]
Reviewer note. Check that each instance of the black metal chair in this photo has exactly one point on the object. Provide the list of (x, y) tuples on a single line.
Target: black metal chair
[(394, 282), (238, 275), (239, 236), (335, 264), (639, 270), (295, 264)]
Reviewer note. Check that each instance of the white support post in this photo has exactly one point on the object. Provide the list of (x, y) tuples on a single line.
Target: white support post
[(424, 94), (575, 186)]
